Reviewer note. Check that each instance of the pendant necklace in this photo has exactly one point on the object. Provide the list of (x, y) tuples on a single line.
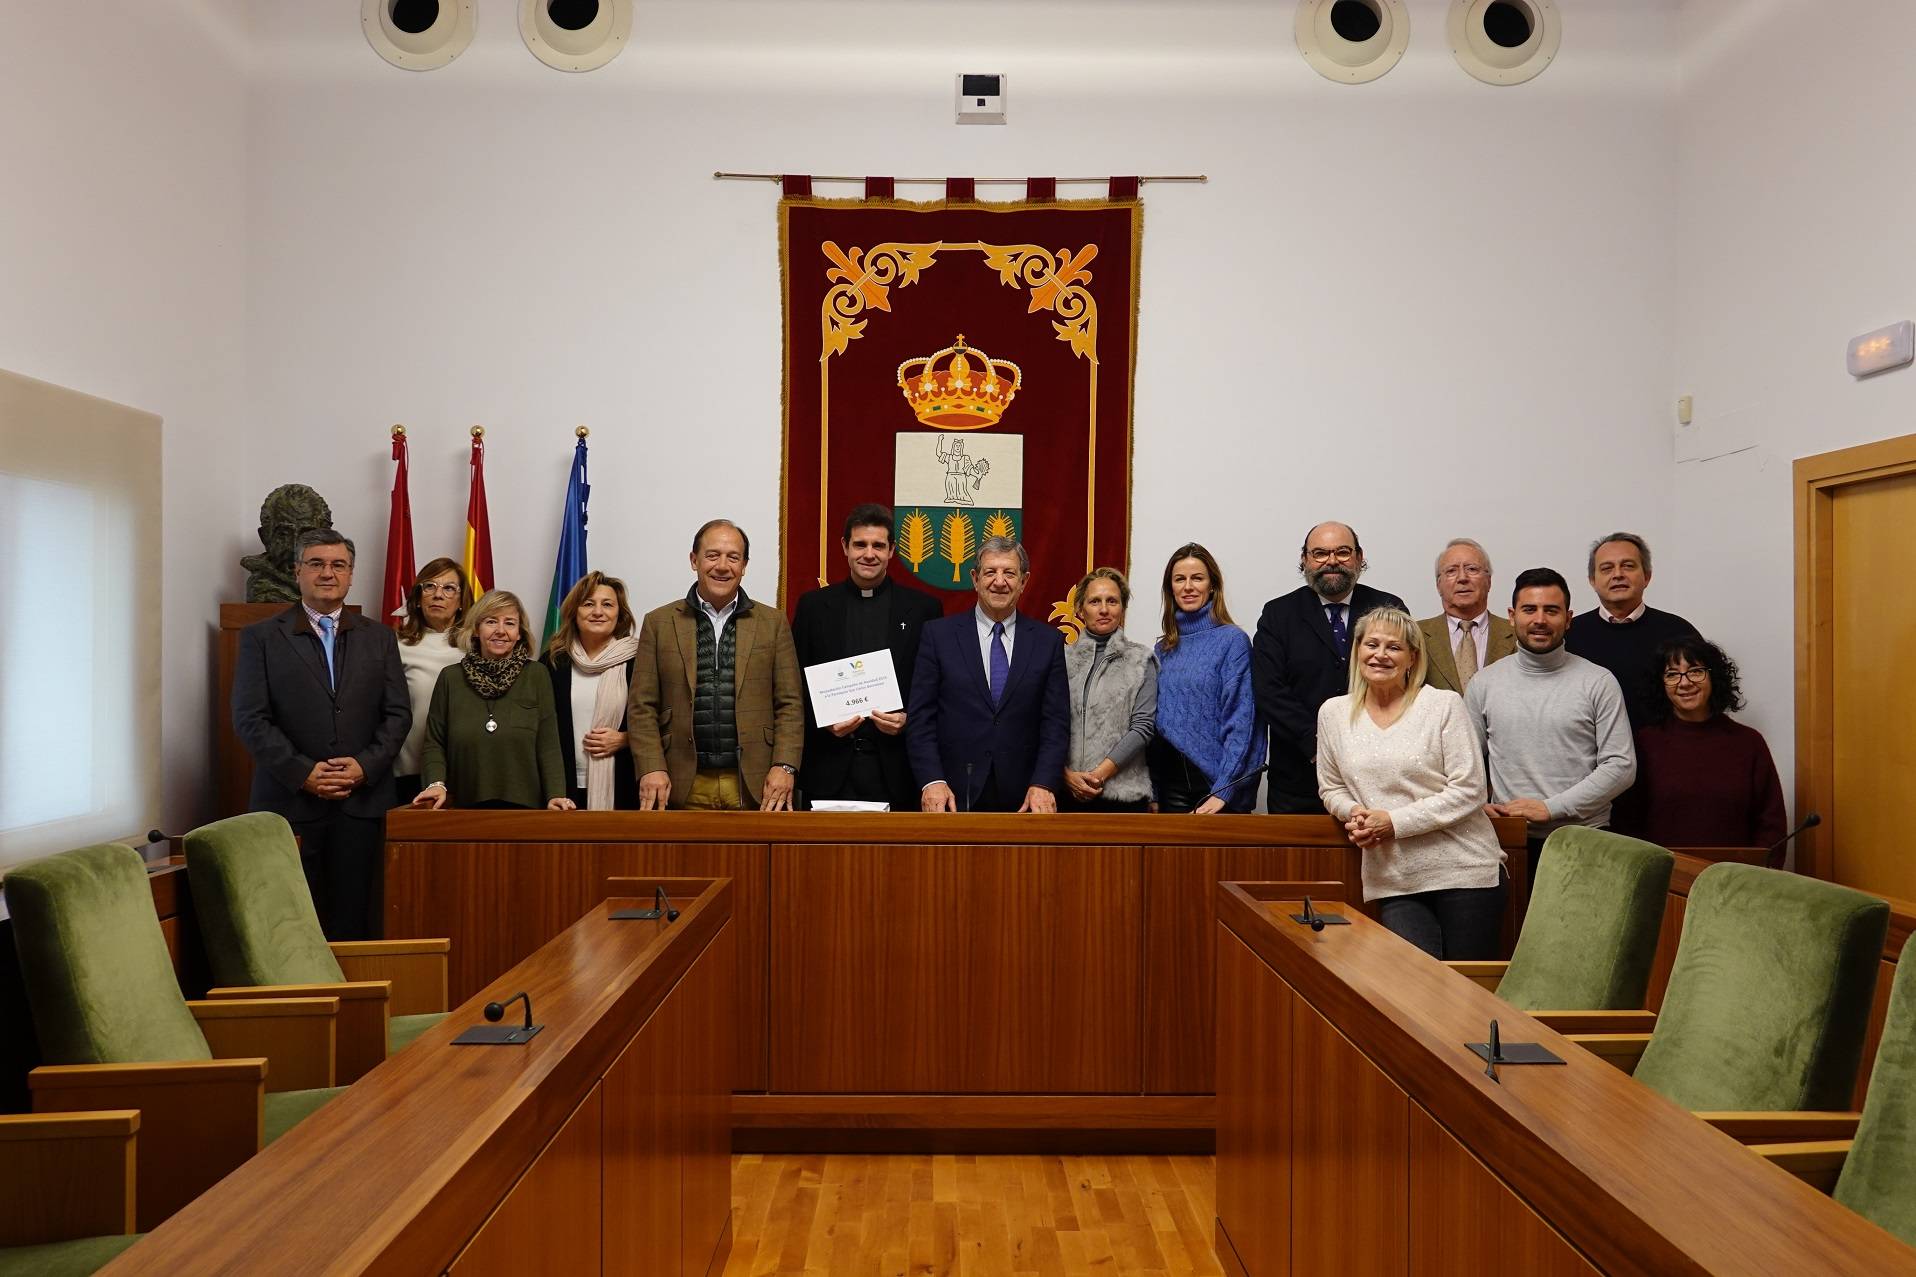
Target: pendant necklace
[(491, 726)]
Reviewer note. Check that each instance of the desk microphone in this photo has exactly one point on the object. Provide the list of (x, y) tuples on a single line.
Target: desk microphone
[(1230, 785), (1773, 858), (496, 1034)]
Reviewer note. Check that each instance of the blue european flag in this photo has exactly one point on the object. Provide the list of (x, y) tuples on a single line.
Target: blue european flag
[(571, 563)]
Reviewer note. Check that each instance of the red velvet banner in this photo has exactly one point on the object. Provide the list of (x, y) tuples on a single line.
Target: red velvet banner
[(970, 366)]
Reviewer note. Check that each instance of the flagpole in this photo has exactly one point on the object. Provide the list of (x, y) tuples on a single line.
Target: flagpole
[(478, 557)]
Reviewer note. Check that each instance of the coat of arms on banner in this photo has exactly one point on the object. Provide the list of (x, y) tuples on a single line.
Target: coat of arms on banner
[(952, 492)]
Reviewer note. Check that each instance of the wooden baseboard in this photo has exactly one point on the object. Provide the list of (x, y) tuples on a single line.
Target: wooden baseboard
[(975, 1112), (974, 1123)]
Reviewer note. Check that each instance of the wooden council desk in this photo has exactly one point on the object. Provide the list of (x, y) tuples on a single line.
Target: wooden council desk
[(910, 980), (1358, 1135), (600, 1146)]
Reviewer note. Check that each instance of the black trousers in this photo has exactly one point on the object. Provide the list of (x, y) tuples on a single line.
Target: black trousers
[(1459, 924), (1178, 782), (343, 859), (863, 780)]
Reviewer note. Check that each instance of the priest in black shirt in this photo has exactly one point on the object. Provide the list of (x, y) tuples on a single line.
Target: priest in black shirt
[(1622, 632), (862, 758)]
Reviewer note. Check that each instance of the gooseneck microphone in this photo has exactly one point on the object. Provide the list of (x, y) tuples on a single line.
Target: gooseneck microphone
[(496, 1034), (1230, 785), (1773, 858), (496, 1011)]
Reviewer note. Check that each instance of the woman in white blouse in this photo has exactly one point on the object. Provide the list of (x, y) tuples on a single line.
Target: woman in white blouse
[(1398, 763), (435, 605)]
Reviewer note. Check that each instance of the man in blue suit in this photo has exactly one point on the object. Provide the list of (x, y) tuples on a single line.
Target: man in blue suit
[(989, 720)]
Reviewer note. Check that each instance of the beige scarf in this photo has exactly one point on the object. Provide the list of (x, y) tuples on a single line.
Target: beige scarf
[(608, 708)]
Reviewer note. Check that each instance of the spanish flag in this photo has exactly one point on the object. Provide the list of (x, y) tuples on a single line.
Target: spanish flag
[(478, 530)]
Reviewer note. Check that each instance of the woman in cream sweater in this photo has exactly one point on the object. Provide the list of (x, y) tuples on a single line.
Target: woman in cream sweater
[(1398, 763)]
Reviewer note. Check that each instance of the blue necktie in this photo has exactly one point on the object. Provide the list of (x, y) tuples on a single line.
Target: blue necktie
[(326, 642), (1339, 633), (1000, 663)]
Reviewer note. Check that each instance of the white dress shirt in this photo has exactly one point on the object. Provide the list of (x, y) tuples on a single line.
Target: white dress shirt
[(720, 617), (984, 638), (1479, 627)]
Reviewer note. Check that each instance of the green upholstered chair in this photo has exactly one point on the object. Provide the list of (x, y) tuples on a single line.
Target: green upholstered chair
[(212, 1081), (86, 1159), (1590, 935), (1769, 998), (263, 939), (1874, 1173)]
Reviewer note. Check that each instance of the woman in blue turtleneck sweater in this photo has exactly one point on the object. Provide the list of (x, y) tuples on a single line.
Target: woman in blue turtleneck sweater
[(1207, 719)]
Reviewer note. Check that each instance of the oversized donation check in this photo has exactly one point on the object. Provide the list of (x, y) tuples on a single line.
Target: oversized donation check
[(853, 688)]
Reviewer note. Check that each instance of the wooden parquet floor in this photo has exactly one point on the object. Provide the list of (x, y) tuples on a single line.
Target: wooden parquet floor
[(893, 1216)]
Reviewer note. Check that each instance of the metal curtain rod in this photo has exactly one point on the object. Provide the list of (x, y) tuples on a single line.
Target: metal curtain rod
[(939, 181)]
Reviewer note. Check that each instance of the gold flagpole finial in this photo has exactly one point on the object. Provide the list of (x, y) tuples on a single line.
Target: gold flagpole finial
[(478, 432), (581, 432), (399, 432)]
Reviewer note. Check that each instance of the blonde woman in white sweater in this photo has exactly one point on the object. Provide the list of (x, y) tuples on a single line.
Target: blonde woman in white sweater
[(1398, 763)]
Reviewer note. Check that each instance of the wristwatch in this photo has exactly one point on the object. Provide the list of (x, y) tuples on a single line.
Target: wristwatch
[(790, 770)]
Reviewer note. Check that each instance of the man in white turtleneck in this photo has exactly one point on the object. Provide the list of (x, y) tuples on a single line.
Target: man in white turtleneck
[(1552, 724)]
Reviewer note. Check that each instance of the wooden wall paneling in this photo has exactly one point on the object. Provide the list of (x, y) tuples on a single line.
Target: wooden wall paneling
[(1180, 946), (749, 866), (642, 1172), (955, 969), (1465, 1222), (1254, 1031), (549, 1222), (1350, 1154), (704, 1098), (496, 902)]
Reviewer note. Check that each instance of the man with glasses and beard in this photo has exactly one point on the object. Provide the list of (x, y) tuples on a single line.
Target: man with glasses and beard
[(1300, 658), (1553, 725)]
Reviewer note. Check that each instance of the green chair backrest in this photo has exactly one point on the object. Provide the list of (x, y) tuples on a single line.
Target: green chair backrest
[(1770, 995), (1590, 936), (1879, 1176), (95, 964), (255, 911)]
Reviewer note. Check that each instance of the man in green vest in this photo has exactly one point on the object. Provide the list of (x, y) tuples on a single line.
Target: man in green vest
[(717, 716)]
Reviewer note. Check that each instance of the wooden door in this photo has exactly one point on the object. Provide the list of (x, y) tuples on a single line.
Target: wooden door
[(1856, 626), (1872, 642)]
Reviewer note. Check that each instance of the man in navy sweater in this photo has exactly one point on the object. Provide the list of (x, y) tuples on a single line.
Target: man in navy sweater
[(1622, 632), (988, 724)]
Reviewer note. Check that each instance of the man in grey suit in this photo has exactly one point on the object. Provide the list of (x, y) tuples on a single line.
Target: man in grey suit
[(319, 700), (1466, 637)]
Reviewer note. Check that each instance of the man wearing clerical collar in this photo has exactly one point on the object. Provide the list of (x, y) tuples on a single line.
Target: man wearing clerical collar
[(863, 758)]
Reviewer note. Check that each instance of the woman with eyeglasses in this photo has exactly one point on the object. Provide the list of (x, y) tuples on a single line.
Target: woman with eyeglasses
[(435, 605), (1703, 779)]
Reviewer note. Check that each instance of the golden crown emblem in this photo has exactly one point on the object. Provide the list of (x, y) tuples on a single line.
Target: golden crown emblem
[(968, 393)]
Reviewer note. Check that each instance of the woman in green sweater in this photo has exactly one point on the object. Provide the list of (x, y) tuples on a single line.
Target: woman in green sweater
[(492, 733)]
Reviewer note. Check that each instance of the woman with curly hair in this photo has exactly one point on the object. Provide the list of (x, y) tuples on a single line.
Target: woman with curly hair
[(1703, 779)]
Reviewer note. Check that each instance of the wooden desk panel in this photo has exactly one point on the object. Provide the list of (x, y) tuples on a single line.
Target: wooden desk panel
[(1467, 1223), (1180, 946), (397, 1174), (749, 866), (1255, 1010), (955, 969), (550, 1221), (1634, 1183), (1350, 1142)]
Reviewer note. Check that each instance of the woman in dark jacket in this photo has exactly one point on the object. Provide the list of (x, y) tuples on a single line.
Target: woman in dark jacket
[(590, 659)]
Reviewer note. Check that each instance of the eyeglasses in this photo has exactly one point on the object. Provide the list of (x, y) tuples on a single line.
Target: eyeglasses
[(440, 591), (322, 565), (1342, 554), (1695, 674), (1468, 570)]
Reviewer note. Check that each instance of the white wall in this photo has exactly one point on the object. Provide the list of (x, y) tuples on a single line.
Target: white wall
[(1794, 202), (1428, 306), (122, 253)]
